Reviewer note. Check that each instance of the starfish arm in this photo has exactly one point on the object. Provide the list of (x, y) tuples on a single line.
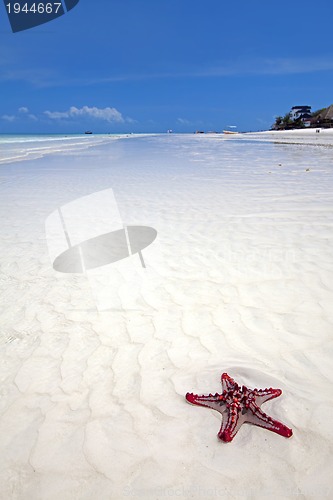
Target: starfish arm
[(231, 424), (215, 402), (257, 417), (263, 395), (228, 383)]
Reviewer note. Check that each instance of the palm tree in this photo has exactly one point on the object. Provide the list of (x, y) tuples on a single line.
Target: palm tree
[(287, 121), (278, 121)]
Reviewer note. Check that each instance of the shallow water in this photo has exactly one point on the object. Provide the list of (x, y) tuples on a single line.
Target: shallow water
[(95, 366), (15, 148)]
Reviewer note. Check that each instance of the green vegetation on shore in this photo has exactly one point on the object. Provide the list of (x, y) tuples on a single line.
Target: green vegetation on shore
[(322, 118)]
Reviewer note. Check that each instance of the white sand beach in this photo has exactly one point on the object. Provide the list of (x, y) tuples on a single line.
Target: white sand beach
[(95, 365)]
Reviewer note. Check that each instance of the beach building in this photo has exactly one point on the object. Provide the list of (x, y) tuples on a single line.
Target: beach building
[(303, 113), (300, 112)]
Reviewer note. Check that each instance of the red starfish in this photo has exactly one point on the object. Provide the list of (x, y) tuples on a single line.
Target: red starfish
[(239, 405)]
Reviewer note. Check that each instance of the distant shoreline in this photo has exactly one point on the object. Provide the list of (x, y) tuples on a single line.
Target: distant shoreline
[(294, 136)]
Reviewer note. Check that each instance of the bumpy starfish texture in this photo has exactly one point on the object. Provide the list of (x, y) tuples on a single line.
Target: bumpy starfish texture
[(239, 405)]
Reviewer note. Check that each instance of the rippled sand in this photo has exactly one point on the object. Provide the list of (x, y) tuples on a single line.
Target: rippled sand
[(239, 279)]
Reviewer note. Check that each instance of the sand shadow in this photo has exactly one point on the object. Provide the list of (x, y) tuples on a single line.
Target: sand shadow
[(105, 249)]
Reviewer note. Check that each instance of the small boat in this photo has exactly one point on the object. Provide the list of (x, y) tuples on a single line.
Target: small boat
[(88, 132), (230, 132)]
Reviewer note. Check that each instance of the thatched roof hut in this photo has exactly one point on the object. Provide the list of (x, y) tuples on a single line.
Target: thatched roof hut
[(324, 117)]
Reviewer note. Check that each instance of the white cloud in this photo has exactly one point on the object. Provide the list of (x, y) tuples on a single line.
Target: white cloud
[(249, 66), (193, 123), (106, 114), (46, 78), (23, 114), (183, 121), (262, 66), (57, 115), (8, 118), (36, 77)]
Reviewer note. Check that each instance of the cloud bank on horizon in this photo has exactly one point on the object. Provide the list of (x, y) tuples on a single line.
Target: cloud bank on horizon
[(108, 114)]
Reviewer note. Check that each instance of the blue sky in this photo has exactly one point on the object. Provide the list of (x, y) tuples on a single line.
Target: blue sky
[(152, 65)]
